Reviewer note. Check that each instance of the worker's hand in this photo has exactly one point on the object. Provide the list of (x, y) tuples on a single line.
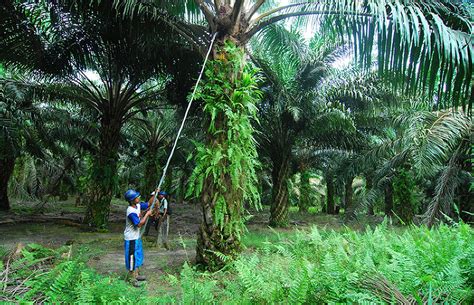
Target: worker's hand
[(148, 213), (157, 191)]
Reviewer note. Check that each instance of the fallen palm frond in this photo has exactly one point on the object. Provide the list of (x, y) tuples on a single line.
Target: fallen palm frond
[(386, 290)]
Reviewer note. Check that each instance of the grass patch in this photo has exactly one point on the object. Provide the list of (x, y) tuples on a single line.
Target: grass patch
[(262, 238)]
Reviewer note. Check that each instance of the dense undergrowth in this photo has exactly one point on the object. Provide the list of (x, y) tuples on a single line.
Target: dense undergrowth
[(381, 265), (36, 274)]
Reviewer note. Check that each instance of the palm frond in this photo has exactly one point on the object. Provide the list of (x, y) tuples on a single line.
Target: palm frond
[(446, 185), (413, 39), (436, 136)]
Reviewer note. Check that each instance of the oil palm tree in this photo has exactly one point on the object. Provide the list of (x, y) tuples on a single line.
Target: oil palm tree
[(286, 109), (371, 104), (413, 38), (151, 136), (418, 143), (52, 136), (15, 109), (295, 118), (439, 145), (99, 60)]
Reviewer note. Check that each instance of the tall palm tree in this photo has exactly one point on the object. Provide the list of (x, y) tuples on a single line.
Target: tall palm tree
[(152, 135), (416, 144), (370, 103), (102, 61), (414, 38), (439, 145), (287, 108), (15, 108), (68, 136), (295, 119), (52, 135)]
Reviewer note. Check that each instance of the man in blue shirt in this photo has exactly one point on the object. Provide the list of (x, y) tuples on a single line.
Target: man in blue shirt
[(133, 243)]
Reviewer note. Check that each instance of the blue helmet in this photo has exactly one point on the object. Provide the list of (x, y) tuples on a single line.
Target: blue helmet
[(163, 193), (131, 195)]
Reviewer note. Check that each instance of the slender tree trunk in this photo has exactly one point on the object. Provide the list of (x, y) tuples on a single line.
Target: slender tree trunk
[(182, 186), (388, 192), (466, 198), (104, 178), (368, 186), (348, 200), (280, 204), (152, 170), (6, 165), (168, 184), (330, 194), (305, 192)]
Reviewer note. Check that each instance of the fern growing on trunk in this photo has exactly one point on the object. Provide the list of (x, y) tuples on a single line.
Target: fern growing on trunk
[(224, 177)]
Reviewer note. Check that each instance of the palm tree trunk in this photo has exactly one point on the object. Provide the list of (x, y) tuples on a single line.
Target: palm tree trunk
[(388, 192), (221, 199), (280, 204), (104, 178), (182, 185), (368, 186), (305, 192), (330, 194), (7, 165), (169, 179), (151, 170), (213, 238), (348, 200)]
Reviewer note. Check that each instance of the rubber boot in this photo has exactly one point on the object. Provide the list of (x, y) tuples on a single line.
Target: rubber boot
[(139, 277), (132, 279)]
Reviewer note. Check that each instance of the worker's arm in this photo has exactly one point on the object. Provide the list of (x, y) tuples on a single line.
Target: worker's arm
[(137, 221), (144, 218), (144, 206)]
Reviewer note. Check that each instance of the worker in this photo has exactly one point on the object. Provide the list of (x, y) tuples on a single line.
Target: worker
[(133, 244), (163, 219)]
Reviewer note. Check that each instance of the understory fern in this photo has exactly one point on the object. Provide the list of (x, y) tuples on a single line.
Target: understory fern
[(73, 282), (51, 276), (378, 266)]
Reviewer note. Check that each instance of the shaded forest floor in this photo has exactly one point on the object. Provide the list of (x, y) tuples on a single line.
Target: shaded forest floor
[(56, 224)]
